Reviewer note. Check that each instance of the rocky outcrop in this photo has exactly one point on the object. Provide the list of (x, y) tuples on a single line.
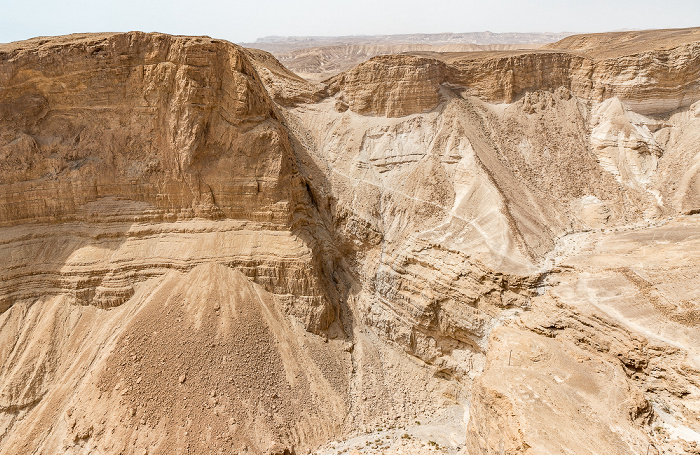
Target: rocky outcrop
[(151, 118), (537, 395), (649, 82), (328, 60), (136, 166), (392, 86), (104, 268), (624, 143), (161, 128), (282, 85)]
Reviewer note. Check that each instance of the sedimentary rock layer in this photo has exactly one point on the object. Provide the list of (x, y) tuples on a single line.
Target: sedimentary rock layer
[(649, 82), (152, 118)]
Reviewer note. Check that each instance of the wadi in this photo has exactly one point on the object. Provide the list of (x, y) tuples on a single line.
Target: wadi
[(410, 250)]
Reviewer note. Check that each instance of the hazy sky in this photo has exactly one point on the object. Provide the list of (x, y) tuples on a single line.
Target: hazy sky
[(240, 21)]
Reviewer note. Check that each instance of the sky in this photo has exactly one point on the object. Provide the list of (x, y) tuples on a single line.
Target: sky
[(245, 21)]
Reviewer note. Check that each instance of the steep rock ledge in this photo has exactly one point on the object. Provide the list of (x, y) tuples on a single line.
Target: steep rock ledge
[(152, 118), (651, 82), (392, 86), (129, 128)]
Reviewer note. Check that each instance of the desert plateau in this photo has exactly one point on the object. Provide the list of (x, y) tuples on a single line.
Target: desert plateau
[(416, 245)]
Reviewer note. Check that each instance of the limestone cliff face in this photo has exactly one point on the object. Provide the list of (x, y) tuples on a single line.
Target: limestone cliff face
[(329, 60), (392, 86), (129, 163), (136, 127), (153, 118), (650, 82)]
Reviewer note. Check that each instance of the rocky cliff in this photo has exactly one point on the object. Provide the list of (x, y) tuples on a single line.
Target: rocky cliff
[(333, 58), (473, 253), (647, 81), (153, 119)]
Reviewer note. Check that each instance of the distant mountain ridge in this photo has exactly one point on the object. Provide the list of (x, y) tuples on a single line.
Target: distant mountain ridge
[(317, 57), (275, 44)]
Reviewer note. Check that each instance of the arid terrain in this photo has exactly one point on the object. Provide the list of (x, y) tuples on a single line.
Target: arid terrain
[(318, 57), (474, 252)]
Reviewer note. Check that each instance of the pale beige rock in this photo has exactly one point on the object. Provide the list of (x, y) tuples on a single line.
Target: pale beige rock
[(151, 118), (318, 57), (322, 62), (649, 80), (393, 86)]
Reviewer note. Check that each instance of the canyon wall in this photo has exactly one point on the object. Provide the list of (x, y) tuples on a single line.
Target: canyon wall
[(204, 252)]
